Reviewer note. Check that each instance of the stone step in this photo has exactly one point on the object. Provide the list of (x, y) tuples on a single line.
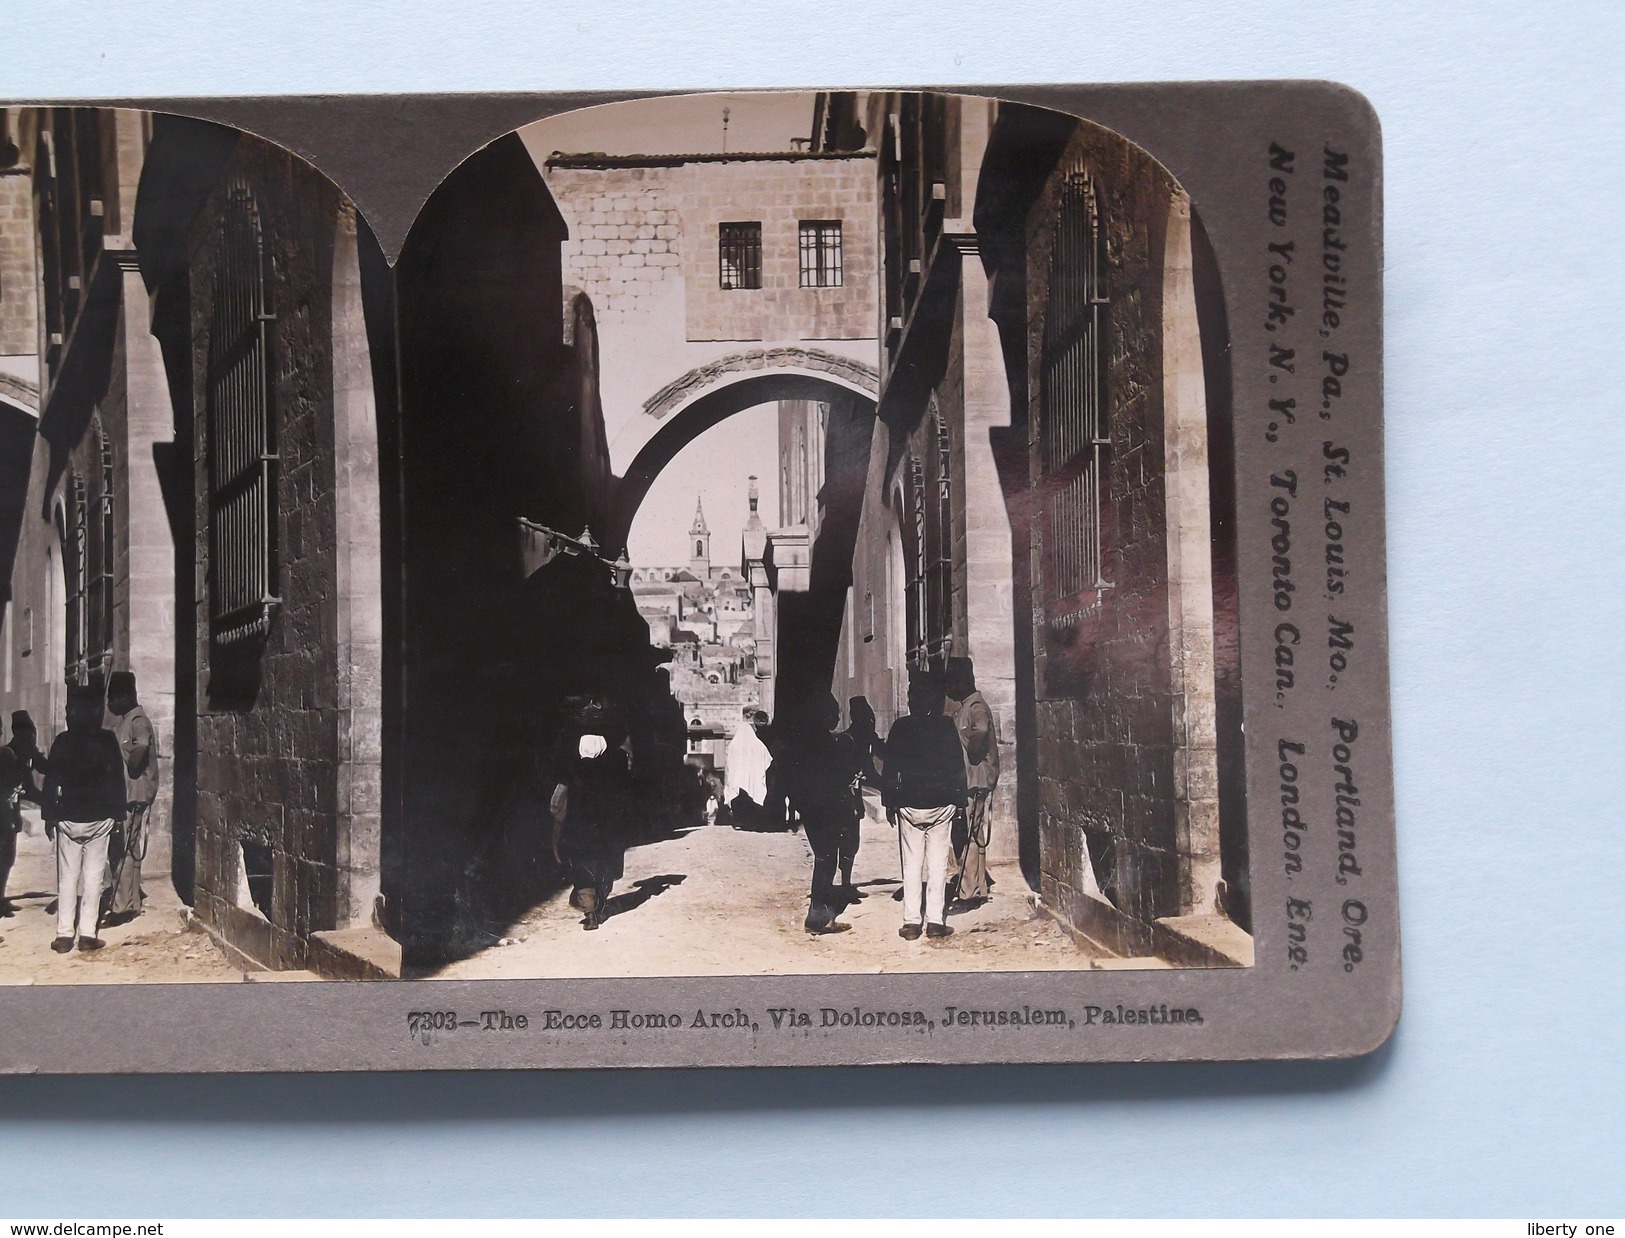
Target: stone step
[(362, 953), (1202, 941)]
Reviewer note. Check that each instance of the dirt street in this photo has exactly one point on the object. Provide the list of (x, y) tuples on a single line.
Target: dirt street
[(709, 901), (154, 948), (718, 901)]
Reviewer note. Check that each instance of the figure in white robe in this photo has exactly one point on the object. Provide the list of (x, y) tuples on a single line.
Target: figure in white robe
[(748, 760)]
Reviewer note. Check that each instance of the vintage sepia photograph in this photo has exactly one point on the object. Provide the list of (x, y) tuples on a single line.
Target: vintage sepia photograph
[(766, 534)]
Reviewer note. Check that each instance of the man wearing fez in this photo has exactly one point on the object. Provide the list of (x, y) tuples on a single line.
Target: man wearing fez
[(979, 736), (128, 846), (84, 801), (924, 787)]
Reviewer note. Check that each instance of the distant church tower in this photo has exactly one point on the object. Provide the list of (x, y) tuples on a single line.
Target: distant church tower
[(699, 539)]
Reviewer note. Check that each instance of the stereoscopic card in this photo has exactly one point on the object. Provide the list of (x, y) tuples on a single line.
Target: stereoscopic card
[(781, 578)]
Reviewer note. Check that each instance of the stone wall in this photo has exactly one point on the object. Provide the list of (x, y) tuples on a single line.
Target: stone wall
[(972, 397), (1190, 575), (496, 407), (358, 575), (31, 674), (872, 659), (31, 678), (19, 323), (950, 359), (27, 678), (975, 392), (108, 385), (643, 244), (269, 769), (145, 580), (1112, 722)]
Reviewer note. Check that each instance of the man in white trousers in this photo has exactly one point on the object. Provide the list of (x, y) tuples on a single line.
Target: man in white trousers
[(924, 787), (83, 800)]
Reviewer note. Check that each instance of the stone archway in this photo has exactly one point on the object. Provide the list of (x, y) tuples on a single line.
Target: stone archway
[(808, 583), (707, 396), (812, 361)]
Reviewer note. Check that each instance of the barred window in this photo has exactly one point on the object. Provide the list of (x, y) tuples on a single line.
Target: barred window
[(918, 559), (241, 447), (75, 570), (100, 561), (739, 255), (941, 536), (1073, 432), (820, 241)]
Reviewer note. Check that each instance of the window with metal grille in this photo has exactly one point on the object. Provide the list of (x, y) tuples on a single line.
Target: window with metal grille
[(100, 557), (820, 243), (75, 564), (739, 255), (941, 539), (241, 446), (1073, 433), (918, 556)]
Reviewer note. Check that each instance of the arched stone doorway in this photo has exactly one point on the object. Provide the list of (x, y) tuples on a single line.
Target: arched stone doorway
[(801, 595), (701, 399)]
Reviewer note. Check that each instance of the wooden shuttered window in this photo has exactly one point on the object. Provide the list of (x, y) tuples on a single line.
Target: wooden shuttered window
[(241, 447)]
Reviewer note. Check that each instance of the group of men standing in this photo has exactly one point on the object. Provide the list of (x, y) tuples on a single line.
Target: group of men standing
[(95, 790), (936, 773)]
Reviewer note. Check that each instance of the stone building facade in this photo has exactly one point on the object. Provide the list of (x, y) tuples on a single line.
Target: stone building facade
[(803, 433), (86, 537), (722, 282), (650, 242), (1123, 645), (932, 562), (32, 670), (351, 530), (280, 480), (254, 263), (1042, 497)]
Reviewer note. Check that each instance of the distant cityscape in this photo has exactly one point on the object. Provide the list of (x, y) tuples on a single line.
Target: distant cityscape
[(703, 612)]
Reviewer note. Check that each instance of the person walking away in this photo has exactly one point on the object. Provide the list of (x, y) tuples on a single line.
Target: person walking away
[(745, 792), (817, 767), (138, 744), (970, 884), (924, 787), (592, 770), (861, 735), (84, 799), (871, 748)]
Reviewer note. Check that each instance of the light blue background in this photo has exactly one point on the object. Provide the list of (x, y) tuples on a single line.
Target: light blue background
[(1500, 1094)]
